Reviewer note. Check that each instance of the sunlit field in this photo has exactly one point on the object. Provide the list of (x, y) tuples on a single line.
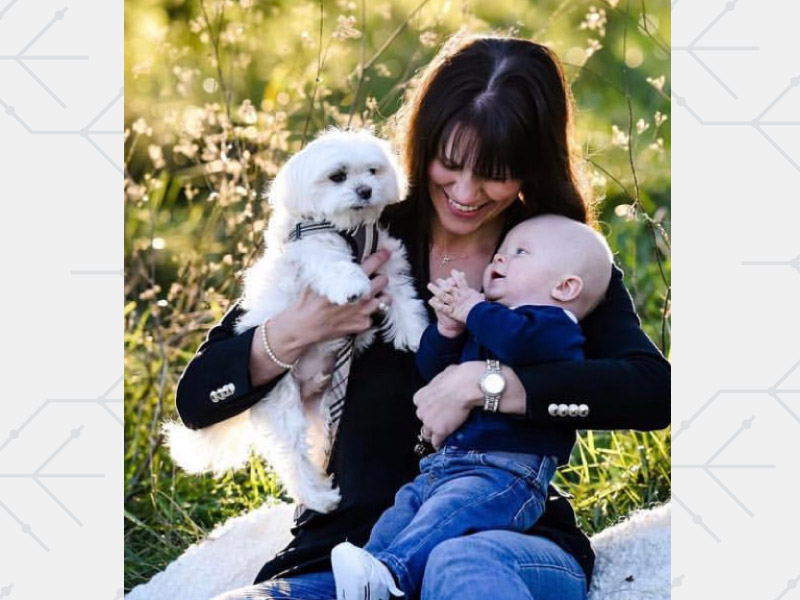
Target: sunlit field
[(219, 93)]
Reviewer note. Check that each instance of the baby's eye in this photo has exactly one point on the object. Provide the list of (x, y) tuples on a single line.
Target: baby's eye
[(338, 177), (521, 251)]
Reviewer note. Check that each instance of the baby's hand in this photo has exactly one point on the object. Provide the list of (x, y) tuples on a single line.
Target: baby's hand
[(463, 297), (441, 303)]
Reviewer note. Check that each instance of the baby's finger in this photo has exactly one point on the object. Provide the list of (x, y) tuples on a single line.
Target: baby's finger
[(435, 289), (439, 293), (444, 284), (459, 278)]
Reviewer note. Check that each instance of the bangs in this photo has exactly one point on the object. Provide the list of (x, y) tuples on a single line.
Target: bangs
[(491, 146)]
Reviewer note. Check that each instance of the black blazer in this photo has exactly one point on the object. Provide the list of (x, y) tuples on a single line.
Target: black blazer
[(624, 382)]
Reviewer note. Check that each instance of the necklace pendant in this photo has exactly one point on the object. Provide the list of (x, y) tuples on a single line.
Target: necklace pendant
[(445, 259)]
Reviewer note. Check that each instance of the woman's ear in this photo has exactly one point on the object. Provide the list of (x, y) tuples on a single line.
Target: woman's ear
[(569, 288)]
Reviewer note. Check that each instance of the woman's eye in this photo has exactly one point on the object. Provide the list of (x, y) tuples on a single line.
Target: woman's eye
[(338, 177)]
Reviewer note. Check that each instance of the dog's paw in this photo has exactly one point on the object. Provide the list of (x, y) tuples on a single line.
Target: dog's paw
[(343, 284)]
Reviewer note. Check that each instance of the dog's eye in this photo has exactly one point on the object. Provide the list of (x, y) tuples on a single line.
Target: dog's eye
[(373, 170), (338, 177)]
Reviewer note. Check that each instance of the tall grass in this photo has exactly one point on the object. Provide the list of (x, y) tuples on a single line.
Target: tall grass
[(218, 94)]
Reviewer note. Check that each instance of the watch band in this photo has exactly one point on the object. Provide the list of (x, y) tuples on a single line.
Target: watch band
[(491, 402)]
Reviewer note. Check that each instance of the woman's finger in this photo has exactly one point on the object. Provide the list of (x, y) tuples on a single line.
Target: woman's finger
[(377, 285), (375, 261), (384, 302)]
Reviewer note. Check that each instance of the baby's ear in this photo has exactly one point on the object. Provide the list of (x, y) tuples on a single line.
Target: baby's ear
[(569, 288)]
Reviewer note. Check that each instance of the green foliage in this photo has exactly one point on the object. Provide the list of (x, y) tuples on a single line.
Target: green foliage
[(219, 93)]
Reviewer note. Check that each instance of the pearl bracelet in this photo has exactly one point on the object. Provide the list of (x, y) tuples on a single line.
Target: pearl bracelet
[(270, 352)]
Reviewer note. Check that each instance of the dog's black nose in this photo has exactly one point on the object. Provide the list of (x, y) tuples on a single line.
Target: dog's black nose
[(364, 192)]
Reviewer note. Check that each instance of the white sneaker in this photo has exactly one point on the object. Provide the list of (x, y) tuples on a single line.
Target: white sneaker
[(361, 576)]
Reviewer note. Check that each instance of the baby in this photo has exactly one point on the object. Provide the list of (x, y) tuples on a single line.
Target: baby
[(492, 472)]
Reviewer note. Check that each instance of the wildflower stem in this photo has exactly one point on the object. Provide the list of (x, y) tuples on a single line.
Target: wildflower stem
[(361, 70), (638, 198)]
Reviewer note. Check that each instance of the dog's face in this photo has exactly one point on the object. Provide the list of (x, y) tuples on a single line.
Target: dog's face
[(344, 177)]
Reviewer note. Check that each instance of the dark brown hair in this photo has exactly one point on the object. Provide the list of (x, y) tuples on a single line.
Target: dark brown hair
[(505, 105)]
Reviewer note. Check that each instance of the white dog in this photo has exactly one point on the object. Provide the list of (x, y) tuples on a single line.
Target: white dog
[(342, 180)]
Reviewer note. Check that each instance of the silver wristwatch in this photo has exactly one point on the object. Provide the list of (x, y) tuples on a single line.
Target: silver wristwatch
[(492, 384)]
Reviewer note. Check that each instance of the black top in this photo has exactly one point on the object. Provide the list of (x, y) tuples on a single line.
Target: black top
[(624, 380)]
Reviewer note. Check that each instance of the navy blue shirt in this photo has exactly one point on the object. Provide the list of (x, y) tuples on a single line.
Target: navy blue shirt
[(526, 335)]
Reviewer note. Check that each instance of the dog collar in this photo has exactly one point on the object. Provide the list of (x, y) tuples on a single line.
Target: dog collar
[(363, 240)]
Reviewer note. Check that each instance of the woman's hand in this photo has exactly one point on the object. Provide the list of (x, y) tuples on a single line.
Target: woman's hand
[(312, 319), (445, 403)]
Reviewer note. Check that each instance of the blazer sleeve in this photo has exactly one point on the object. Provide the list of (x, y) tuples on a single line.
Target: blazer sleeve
[(624, 381), (216, 383)]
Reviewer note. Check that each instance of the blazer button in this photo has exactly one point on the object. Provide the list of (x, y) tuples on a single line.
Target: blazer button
[(583, 410), (563, 410), (552, 410), (573, 410)]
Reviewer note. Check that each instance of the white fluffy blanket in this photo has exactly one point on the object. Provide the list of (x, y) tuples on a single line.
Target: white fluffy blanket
[(633, 557)]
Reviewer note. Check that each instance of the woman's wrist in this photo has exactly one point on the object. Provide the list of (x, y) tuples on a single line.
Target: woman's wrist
[(286, 343), (514, 398), (286, 338), (475, 398)]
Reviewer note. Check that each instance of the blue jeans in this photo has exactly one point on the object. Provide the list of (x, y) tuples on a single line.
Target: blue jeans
[(458, 492), (492, 564)]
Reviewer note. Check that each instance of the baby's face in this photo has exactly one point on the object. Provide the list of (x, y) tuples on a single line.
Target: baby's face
[(524, 270)]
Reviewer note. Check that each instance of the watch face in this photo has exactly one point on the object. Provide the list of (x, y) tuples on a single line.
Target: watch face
[(493, 384)]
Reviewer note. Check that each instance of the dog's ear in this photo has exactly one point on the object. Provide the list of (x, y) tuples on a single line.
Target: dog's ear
[(399, 173), (285, 185)]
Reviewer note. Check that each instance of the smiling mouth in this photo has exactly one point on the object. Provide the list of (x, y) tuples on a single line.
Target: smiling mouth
[(463, 207)]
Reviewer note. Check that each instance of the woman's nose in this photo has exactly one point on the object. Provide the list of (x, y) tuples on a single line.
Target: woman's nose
[(465, 189)]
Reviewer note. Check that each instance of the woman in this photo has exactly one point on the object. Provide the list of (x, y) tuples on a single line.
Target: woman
[(486, 145)]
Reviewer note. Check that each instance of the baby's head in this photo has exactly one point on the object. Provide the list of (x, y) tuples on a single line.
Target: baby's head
[(550, 260)]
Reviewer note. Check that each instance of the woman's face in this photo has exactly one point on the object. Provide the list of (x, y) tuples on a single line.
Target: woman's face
[(465, 202)]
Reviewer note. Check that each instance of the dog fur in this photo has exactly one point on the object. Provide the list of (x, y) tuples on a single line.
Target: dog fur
[(347, 179)]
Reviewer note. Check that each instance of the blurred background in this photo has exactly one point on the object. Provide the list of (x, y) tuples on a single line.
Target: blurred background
[(219, 93)]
